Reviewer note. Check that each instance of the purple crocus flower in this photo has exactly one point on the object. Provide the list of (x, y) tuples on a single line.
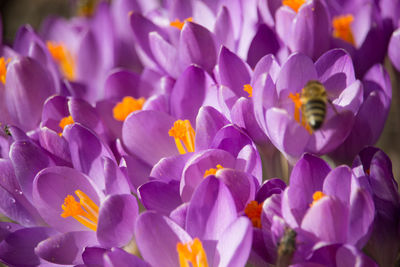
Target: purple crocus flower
[(374, 168), (393, 50), (212, 233), (277, 104), (96, 221), (368, 123)]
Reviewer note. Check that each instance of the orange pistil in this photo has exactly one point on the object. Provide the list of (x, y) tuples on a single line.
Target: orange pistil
[(3, 69), (297, 107), (294, 4), (179, 24), (63, 58), (192, 252), (316, 197), (184, 136), (85, 211), (342, 29), (128, 105), (253, 211), (212, 171), (64, 122), (247, 88)]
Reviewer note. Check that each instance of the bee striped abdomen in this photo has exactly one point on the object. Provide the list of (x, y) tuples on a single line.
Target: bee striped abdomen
[(314, 111)]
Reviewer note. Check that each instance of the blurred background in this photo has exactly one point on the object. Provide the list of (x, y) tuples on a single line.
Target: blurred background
[(15, 13)]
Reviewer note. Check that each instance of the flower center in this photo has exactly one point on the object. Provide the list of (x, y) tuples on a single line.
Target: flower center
[(297, 107), (179, 24), (192, 252), (184, 135), (342, 29), (3, 69), (64, 122), (212, 171), (247, 88), (128, 105), (293, 4), (63, 58), (253, 211), (85, 211), (316, 197)]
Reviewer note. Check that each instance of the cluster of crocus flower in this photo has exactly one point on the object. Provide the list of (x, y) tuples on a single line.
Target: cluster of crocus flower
[(150, 133)]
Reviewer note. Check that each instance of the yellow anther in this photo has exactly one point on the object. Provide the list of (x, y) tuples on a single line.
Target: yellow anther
[(297, 105), (342, 28), (316, 197), (212, 171), (253, 211), (64, 122), (179, 24), (64, 59), (3, 69), (184, 136), (128, 105), (85, 211), (294, 4), (192, 252), (247, 88)]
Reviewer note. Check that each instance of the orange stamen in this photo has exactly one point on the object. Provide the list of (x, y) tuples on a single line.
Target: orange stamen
[(128, 105), (3, 69), (85, 211), (342, 29), (179, 24), (184, 136), (297, 107), (294, 4), (253, 211), (63, 58), (316, 197), (64, 122), (192, 252), (247, 88), (212, 171)]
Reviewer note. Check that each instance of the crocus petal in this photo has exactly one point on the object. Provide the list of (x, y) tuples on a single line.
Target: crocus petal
[(235, 243), (284, 19), (328, 220), (223, 29), (231, 139), (119, 258), (117, 217), (171, 168), (240, 184), (178, 215), (58, 147), (27, 159), (362, 213), (307, 177), (208, 122), (285, 133), (66, 248), (157, 237), (193, 173), (168, 197), (270, 187), (197, 46), (248, 160), (136, 171), (164, 53), (17, 249), (13, 203), (115, 180), (87, 151), (28, 85), (188, 93), (143, 129), (234, 72), (295, 73), (211, 210), (338, 183), (120, 83), (393, 50), (335, 70), (50, 188)]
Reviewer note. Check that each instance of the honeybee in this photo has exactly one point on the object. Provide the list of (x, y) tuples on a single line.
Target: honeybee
[(286, 248), (313, 104)]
